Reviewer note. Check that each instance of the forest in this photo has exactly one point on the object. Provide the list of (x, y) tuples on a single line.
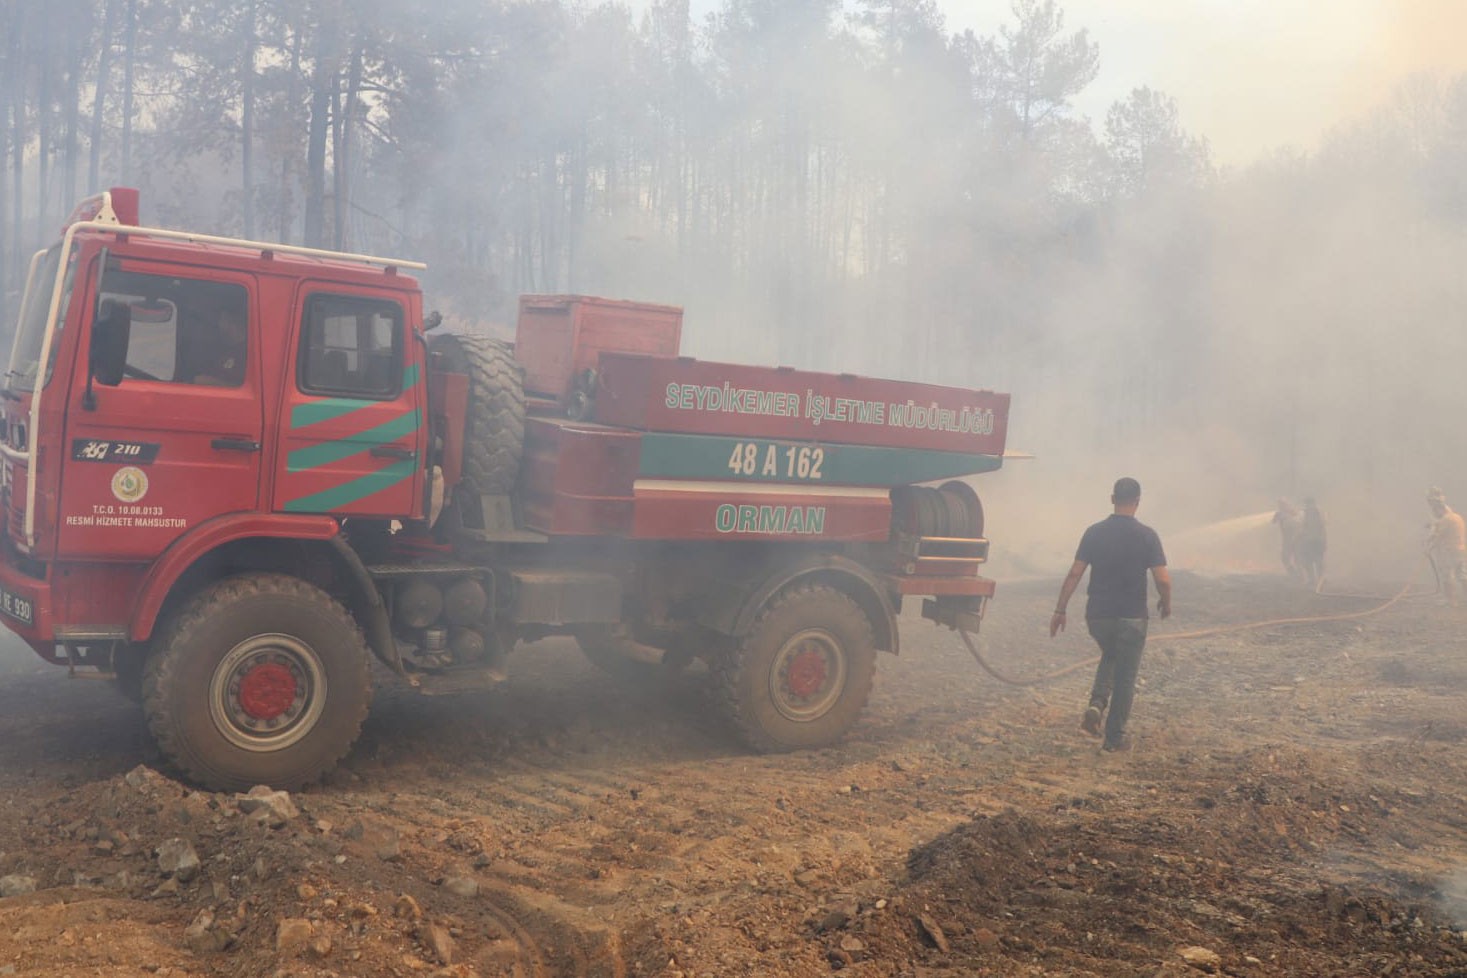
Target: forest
[(836, 186)]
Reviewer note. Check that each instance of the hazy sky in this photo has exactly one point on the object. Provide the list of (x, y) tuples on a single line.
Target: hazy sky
[(1249, 75), (1253, 75)]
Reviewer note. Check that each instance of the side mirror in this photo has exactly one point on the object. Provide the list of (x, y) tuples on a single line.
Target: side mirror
[(111, 334)]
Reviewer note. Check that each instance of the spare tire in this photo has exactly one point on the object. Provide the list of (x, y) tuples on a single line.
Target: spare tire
[(494, 429)]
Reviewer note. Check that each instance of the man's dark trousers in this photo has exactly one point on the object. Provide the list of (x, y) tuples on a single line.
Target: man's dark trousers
[(1121, 641)]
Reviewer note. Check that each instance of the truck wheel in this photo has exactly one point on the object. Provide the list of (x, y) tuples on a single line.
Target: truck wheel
[(494, 431), (803, 673), (259, 679)]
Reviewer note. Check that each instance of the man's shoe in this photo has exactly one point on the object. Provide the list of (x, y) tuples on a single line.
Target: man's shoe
[(1117, 747), (1091, 721)]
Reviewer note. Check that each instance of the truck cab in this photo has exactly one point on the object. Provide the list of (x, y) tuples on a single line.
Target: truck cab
[(105, 475)]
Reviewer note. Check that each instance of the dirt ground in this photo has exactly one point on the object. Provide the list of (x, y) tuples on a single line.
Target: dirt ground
[(1293, 805)]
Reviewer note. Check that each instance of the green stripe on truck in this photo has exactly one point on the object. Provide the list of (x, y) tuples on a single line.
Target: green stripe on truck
[(350, 492), (330, 408), (334, 451)]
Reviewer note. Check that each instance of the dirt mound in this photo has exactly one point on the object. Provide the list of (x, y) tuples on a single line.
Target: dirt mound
[(254, 875), (1114, 885)]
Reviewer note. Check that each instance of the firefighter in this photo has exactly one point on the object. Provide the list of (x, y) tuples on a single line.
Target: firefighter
[(1446, 544), (1311, 543), (1290, 522)]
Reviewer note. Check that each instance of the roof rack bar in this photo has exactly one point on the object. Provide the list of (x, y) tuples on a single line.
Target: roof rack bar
[(269, 246)]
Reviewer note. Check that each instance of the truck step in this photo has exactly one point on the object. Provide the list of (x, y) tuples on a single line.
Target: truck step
[(458, 681), (385, 571), (501, 536)]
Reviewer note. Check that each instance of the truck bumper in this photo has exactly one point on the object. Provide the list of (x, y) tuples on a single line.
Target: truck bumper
[(25, 608), (956, 611)]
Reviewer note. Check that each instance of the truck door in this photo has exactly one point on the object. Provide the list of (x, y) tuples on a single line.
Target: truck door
[(178, 440), (351, 430)]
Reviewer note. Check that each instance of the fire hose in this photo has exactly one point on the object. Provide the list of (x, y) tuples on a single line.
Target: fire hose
[(1198, 633)]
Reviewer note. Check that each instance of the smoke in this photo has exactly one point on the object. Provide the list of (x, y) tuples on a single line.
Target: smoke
[(1291, 330), (1253, 76), (1453, 897), (1419, 35), (1288, 329)]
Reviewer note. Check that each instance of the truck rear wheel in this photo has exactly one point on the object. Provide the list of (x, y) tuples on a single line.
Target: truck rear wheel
[(802, 674), (494, 431), (259, 679)]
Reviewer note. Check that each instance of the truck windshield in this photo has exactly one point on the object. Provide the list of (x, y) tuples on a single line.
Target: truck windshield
[(25, 358)]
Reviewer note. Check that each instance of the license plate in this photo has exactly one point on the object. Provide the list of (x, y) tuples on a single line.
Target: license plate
[(14, 606)]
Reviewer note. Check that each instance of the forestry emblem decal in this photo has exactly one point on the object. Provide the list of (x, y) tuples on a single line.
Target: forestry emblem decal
[(129, 484)]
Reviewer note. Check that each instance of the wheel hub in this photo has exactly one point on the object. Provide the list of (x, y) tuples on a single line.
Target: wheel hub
[(809, 675), (267, 692), (806, 672)]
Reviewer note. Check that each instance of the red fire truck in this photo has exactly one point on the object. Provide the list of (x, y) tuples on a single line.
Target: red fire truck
[(235, 472)]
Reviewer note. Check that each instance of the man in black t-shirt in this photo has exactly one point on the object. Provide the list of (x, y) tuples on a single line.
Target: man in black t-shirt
[(1120, 549)]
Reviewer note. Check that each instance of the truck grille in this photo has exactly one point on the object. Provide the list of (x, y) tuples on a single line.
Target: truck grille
[(15, 520), (13, 498)]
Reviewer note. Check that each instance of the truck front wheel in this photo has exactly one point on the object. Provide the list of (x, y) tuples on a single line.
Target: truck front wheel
[(259, 679), (802, 674)]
